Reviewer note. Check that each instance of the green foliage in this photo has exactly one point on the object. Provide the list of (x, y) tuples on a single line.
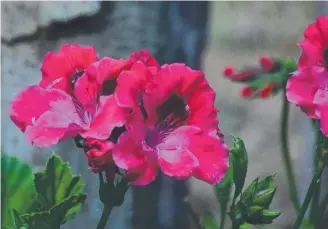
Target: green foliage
[(56, 184), (239, 161), (209, 221), (253, 205), (17, 188), (222, 192), (59, 196)]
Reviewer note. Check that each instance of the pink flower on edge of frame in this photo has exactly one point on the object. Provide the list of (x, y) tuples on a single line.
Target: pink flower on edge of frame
[(315, 45), (174, 126), (308, 86), (47, 116)]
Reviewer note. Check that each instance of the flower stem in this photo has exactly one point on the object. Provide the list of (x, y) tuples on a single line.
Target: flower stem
[(315, 211), (286, 154), (233, 213), (104, 216), (313, 186), (106, 209)]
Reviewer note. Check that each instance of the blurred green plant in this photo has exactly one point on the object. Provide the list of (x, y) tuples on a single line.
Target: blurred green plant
[(49, 200), (17, 187)]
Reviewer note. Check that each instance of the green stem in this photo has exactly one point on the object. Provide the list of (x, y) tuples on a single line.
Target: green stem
[(106, 209), (314, 211), (286, 154), (232, 210), (104, 216), (313, 186)]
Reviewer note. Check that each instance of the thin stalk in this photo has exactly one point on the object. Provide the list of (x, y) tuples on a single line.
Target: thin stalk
[(321, 211), (315, 211), (107, 209), (104, 216), (232, 210), (313, 186), (285, 153)]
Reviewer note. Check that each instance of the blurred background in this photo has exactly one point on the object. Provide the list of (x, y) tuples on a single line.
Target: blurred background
[(206, 36)]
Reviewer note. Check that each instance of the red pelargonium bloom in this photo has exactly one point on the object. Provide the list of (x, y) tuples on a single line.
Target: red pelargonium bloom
[(267, 63), (249, 73), (47, 116), (174, 126), (266, 91), (308, 89), (99, 154), (247, 92), (61, 70), (315, 45)]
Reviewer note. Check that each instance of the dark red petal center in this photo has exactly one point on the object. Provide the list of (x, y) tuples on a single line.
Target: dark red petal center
[(109, 87), (171, 114), (325, 57), (73, 78)]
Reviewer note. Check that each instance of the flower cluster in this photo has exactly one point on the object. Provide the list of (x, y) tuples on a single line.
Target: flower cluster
[(127, 114), (262, 80), (308, 86)]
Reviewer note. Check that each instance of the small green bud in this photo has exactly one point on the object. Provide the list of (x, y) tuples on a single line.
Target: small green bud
[(268, 216), (264, 198)]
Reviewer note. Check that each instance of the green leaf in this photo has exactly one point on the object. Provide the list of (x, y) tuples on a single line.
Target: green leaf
[(239, 159), (56, 186), (53, 218), (17, 187), (209, 221), (18, 221), (222, 192), (245, 226)]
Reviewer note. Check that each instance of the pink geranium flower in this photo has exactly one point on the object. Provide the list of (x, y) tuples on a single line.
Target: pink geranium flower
[(60, 70), (174, 126), (308, 87), (47, 116)]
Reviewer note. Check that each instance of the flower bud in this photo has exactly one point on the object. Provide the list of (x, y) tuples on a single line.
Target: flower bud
[(264, 198)]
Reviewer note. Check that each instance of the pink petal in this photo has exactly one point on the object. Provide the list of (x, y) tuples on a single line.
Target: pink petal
[(213, 157), (107, 68), (302, 86), (51, 128), (174, 154), (33, 101), (324, 119), (322, 24), (78, 56), (128, 153), (130, 85), (321, 97), (87, 92), (139, 160), (108, 116), (147, 175), (311, 54), (145, 57), (62, 65), (178, 163)]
